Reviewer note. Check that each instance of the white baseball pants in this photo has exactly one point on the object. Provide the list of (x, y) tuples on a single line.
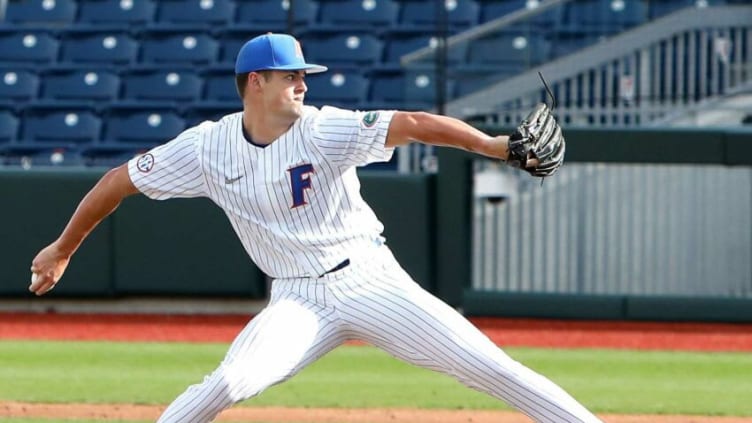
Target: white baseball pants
[(372, 300)]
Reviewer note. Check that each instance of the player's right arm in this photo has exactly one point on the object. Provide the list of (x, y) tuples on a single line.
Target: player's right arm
[(167, 171), (103, 199)]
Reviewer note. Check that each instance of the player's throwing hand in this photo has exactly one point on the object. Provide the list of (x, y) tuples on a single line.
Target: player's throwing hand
[(46, 269)]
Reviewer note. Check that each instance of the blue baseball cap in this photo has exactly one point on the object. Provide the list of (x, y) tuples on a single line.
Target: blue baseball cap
[(273, 52)]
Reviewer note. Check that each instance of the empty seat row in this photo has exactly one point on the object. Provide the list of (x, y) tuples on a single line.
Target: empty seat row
[(119, 47), (151, 119), (34, 156), (18, 85), (181, 87), (260, 13), (113, 47), (105, 155), (267, 14), (335, 49), (77, 124), (52, 136)]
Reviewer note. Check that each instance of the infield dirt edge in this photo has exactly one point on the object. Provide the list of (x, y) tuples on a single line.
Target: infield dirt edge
[(105, 412)]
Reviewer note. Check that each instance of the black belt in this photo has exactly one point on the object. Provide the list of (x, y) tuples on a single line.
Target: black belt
[(337, 267)]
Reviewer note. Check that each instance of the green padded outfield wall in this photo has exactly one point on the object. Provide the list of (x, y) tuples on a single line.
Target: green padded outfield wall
[(180, 247), (405, 204), (35, 206)]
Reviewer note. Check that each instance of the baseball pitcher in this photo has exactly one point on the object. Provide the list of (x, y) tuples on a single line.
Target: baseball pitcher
[(285, 175)]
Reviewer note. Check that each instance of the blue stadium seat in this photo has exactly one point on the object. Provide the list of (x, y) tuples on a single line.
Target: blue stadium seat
[(626, 13), (30, 156), (341, 89), (9, 125), (28, 46), (162, 84), (80, 84), (193, 12), (109, 155), (420, 88), (603, 16), (189, 47), (137, 124), (401, 42), (342, 48), (411, 89), (63, 124), (18, 85), (494, 9), (563, 43), (358, 14), (219, 85), (101, 47), (49, 12), (468, 81), (461, 14), (116, 12), (661, 8), (202, 111), (509, 48), (387, 89), (270, 14)]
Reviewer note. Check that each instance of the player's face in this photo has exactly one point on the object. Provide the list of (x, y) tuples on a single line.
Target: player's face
[(284, 93)]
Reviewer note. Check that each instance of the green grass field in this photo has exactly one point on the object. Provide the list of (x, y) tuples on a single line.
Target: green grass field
[(606, 381)]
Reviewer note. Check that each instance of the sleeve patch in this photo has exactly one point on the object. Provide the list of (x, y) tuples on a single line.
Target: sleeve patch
[(370, 119), (145, 163)]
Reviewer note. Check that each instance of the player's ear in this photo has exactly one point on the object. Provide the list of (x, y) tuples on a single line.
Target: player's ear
[(254, 80)]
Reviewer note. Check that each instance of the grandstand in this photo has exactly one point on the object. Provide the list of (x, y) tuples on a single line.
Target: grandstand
[(92, 82)]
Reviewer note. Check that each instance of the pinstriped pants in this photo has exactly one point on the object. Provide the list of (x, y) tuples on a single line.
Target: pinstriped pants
[(372, 300)]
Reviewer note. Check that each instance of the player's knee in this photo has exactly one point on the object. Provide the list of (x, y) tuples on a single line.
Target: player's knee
[(239, 383)]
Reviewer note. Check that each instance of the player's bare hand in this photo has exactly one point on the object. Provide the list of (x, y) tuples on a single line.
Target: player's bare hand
[(47, 268)]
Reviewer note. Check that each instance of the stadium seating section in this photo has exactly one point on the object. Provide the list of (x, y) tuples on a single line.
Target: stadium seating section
[(95, 81)]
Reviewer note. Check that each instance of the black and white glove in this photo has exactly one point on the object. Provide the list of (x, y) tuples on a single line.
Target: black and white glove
[(537, 137)]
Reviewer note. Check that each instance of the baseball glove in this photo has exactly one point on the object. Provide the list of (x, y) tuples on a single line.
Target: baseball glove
[(537, 137)]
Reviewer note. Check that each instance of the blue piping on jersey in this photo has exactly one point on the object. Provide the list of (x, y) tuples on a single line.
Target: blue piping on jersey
[(248, 138)]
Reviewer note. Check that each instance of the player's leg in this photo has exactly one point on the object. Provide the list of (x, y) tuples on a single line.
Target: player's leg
[(287, 335), (400, 317)]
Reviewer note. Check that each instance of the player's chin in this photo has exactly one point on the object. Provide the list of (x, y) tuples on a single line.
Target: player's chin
[(296, 107)]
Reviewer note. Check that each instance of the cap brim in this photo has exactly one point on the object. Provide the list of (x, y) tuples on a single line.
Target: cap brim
[(308, 68)]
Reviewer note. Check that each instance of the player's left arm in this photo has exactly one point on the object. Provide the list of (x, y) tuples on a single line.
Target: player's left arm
[(428, 128), (537, 145)]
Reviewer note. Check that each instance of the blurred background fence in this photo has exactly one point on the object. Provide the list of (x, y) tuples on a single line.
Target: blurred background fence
[(617, 229)]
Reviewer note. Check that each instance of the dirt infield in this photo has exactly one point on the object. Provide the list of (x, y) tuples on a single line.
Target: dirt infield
[(505, 332), (319, 415)]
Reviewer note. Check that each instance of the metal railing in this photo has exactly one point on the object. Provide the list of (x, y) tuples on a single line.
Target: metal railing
[(634, 78)]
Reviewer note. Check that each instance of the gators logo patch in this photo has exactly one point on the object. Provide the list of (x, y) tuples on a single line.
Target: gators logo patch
[(370, 119)]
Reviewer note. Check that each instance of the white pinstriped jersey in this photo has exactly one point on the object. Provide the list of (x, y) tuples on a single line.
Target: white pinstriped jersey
[(295, 203)]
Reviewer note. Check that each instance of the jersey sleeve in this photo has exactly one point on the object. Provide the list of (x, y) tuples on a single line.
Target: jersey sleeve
[(352, 138), (171, 170)]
